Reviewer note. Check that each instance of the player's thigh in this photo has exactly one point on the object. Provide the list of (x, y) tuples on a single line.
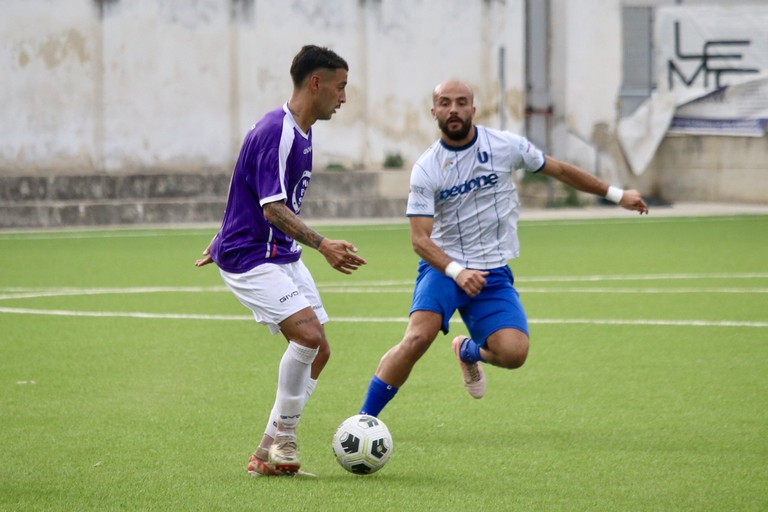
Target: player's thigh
[(304, 281), (300, 326), (496, 308), (270, 292), (304, 328), (437, 294)]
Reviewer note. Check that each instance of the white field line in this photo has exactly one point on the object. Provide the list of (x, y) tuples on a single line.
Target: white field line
[(26, 293), (128, 232), (642, 277), (397, 223), (328, 291), (31, 293), (122, 314), (178, 316), (380, 287), (524, 290)]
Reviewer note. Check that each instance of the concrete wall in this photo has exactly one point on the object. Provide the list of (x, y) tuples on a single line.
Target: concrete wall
[(128, 85), (586, 78), (143, 86), (62, 200), (712, 169)]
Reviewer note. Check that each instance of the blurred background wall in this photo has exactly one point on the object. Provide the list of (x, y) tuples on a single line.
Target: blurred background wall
[(119, 85), (150, 86)]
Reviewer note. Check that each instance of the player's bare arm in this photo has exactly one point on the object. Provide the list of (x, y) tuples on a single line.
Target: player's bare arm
[(340, 254), (471, 281), (280, 216), (585, 182)]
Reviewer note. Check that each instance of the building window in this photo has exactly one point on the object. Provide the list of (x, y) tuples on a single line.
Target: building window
[(637, 66)]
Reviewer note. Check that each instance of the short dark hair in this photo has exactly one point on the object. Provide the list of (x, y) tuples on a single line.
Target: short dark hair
[(312, 57)]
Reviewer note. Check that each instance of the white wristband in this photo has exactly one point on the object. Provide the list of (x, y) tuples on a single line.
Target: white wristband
[(614, 194), (452, 270)]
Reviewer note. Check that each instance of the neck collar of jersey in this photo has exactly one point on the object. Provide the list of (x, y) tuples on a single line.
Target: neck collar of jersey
[(460, 148), (293, 121)]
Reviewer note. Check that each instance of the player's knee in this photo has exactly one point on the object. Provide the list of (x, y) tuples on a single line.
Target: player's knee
[(323, 352), (414, 345), (511, 353), (312, 338), (513, 360)]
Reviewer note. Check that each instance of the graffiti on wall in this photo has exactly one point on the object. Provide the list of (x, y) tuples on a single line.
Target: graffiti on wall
[(715, 60)]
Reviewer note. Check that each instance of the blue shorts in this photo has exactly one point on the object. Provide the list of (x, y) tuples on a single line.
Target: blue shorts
[(496, 307)]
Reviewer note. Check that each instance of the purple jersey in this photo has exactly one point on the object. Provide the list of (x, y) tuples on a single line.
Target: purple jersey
[(275, 164)]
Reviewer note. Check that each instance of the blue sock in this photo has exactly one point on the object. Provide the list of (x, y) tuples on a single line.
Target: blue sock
[(379, 394), (470, 351)]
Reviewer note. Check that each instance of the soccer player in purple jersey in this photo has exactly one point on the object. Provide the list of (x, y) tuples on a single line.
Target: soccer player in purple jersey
[(463, 210), (257, 248)]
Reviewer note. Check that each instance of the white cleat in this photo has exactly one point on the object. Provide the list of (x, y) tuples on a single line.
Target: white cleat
[(472, 373)]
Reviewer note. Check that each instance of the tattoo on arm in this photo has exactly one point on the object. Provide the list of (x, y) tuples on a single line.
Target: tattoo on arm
[(289, 223)]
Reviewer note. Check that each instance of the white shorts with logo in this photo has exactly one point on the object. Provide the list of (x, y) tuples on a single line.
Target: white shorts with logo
[(275, 292)]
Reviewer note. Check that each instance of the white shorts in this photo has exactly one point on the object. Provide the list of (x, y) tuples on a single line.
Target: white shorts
[(275, 292)]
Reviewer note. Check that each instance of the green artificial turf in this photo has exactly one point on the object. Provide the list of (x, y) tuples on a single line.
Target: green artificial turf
[(131, 380)]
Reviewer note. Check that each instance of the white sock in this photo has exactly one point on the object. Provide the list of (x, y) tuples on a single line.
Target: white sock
[(292, 379), (271, 429)]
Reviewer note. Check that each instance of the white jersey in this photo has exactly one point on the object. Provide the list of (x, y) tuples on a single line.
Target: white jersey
[(471, 194)]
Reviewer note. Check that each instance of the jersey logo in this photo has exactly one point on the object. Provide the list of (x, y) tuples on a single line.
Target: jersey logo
[(299, 190), (482, 156), (468, 186)]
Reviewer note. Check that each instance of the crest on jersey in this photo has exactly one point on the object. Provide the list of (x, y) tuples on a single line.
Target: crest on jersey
[(298, 191), (482, 156)]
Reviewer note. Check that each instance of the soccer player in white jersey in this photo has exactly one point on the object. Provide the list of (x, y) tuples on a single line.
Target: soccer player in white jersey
[(257, 252), (463, 210)]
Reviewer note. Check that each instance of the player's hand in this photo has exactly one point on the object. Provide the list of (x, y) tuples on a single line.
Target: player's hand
[(206, 259), (471, 281), (341, 255), (632, 200)]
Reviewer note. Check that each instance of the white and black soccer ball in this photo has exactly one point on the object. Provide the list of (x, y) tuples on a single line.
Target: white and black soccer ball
[(362, 444)]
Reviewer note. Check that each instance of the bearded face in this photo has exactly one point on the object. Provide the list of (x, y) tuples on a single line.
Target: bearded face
[(455, 128), (454, 111)]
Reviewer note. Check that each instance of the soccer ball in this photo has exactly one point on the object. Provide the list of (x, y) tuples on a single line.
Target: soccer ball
[(362, 444)]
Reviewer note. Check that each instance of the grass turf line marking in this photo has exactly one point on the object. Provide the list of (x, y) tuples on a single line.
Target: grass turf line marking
[(128, 232), (239, 318), (643, 277), (598, 221), (523, 290), (31, 293), (11, 293), (23, 293), (572, 279), (183, 231)]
